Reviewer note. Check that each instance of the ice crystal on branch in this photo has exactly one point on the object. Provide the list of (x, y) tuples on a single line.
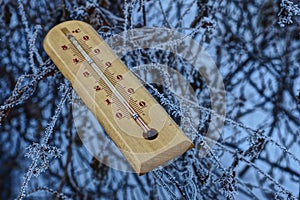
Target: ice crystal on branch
[(45, 153), (256, 144), (228, 183), (260, 70), (287, 10)]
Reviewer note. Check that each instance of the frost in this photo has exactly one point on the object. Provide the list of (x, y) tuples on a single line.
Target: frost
[(49, 190), (34, 112), (228, 184), (256, 144), (33, 51), (40, 153), (287, 10), (44, 152)]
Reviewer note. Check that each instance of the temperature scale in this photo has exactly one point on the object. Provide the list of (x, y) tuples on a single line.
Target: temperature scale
[(143, 131)]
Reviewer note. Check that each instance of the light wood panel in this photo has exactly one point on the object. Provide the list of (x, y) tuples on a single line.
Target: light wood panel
[(142, 154)]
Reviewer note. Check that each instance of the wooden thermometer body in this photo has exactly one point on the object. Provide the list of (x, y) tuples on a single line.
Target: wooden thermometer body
[(146, 135)]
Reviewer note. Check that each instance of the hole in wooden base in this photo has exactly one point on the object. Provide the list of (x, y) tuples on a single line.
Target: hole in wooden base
[(150, 134)]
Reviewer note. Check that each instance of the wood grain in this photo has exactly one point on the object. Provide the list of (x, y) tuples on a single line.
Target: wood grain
[(142, 154)]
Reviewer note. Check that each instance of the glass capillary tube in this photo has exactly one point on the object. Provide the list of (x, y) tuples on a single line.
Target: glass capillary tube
[(91, 62)]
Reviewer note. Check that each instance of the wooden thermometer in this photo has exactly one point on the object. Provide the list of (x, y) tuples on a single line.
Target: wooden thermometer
[(146, 135)]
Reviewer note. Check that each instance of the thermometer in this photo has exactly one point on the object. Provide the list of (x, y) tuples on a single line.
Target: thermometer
[(143, 131)]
